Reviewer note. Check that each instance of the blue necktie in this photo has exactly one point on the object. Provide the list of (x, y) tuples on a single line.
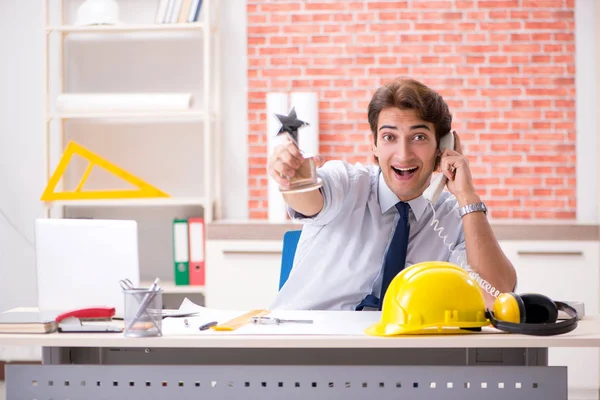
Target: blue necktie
[(394, 259), (396, 255)]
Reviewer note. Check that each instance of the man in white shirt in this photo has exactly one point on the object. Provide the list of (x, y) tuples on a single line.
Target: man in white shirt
[(349, 224)]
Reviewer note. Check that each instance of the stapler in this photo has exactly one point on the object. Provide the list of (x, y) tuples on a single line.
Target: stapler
[(88, 320)]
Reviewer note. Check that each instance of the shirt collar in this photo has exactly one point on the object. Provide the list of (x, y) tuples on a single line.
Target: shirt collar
[(387, 199)]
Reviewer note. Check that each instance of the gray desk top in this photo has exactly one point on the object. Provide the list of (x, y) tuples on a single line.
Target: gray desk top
[(587, 334)]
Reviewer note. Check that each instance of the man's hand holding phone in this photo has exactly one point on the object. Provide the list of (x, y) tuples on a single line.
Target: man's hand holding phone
[(455, 166)]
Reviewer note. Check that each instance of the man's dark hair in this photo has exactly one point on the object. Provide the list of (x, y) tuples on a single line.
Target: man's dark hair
[(409, 94)]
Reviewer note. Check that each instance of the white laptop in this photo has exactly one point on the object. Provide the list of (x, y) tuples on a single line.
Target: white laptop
[(79, 262)]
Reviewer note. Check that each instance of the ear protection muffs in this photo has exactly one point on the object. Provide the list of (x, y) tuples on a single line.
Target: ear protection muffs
[(531, 314)]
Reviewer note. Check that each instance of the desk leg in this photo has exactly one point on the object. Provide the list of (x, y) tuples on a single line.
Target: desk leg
[(56, 355), (536, 356)]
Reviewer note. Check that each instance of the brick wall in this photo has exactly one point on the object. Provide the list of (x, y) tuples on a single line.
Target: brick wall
[(506, 68)]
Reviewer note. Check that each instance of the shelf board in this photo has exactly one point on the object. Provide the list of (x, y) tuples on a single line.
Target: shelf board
[(170, 287), (126, 28), (153, 202), (201, 115)]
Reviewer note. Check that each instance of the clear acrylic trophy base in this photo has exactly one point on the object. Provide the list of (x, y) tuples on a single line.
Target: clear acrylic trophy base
[(303, 188), (305, 179)]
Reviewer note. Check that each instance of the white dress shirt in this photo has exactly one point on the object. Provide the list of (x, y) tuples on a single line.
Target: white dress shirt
[(341, 252)]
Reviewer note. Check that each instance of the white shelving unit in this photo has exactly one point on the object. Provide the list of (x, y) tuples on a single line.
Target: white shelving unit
[(206, 30), (201, 37)]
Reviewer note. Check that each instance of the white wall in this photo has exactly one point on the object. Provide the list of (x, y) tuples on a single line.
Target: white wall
[(22, 126), (586, 101)]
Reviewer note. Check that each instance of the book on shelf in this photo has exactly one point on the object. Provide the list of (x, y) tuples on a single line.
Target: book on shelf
[(177, 11)]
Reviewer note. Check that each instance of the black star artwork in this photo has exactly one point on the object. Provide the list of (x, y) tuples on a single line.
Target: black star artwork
[(290, 124)]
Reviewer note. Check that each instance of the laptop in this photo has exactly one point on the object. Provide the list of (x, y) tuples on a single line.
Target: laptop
[(79, 263)]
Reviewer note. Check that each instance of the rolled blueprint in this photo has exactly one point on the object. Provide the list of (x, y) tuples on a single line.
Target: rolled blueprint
[(277, 103), (103, 102), (307, 109)]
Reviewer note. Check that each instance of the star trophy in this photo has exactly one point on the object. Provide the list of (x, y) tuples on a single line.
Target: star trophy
[(306, 178)]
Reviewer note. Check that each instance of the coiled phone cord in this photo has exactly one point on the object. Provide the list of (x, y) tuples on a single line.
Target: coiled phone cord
[(461, 260)]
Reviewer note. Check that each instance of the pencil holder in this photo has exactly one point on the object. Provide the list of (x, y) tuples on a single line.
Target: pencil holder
[(143, 312)]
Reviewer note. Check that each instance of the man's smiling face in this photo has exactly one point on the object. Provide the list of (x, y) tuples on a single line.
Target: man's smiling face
[(407, 150)]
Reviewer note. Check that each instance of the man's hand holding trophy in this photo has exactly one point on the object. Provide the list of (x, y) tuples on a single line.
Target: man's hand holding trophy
[(292, 169)]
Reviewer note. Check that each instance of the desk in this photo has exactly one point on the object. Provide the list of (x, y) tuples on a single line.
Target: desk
[(95, 366)]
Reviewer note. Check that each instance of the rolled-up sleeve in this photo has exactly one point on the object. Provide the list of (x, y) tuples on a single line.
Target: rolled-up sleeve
[(335, 190), (459, 257)]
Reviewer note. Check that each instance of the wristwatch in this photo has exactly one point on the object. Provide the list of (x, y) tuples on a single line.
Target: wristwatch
[(469, 208)]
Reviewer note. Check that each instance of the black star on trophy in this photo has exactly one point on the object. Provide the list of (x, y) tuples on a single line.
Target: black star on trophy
[(306, 178)]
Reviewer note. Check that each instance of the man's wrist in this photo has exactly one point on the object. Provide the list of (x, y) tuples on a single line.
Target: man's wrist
[(468, 198)]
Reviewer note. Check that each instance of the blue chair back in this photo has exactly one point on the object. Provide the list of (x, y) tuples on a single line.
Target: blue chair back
[(290, 242)]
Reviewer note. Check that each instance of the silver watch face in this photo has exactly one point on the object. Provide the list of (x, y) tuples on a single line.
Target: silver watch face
[(473, 207)]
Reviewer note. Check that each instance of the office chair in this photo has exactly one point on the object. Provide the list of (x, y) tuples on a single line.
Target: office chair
[(290, 242)]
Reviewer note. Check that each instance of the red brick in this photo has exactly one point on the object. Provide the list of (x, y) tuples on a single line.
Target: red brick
[(564, 14), (519, 14), (499, 70), (279, 7), (453, 37), (500, 26), (523, 181), (332, 28), (554, 25), (280, 19), (542, 3), (465, 4), (387, 6), (520, 37), (498, 14), (431, 4), (303, 29), (521, 214), (521, 48), (336, 6), (476, 37), (262, 30), (498, 3)]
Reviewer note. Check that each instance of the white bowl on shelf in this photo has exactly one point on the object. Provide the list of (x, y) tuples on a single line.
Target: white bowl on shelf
[(98, 12)]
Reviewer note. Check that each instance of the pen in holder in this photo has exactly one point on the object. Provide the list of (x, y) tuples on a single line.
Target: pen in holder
[(143, 311)]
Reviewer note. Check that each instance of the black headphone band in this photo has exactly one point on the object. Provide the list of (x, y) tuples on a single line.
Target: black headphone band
[(550, 329)]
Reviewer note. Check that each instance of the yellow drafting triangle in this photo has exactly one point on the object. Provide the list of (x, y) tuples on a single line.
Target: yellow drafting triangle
[(145, 190)]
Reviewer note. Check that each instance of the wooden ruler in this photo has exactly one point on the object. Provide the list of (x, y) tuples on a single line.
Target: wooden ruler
[(240, 320)]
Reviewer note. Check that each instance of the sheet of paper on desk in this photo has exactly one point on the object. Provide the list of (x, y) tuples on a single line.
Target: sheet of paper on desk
[(324, 322)]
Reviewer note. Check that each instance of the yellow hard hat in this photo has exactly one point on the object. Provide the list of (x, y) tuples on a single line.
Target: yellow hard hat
[(428, 297)]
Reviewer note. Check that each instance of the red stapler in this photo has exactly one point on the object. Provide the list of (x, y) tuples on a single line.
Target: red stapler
[(72, 321), (92, 313)]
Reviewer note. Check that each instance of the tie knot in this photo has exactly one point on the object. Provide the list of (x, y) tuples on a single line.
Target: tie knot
[(403, 209)]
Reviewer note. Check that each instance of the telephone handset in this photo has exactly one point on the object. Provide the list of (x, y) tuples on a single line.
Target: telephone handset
[(432, 193)]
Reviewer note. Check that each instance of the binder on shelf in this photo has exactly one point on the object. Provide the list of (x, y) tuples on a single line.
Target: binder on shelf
[(181, 252), (196, 237)]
